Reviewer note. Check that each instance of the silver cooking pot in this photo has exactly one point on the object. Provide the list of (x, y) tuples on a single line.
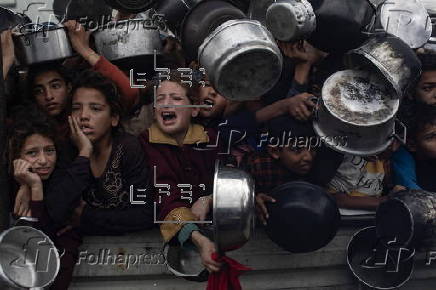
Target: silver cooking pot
[(358, 107), (42, 44), (290, 20), (392, 57), (233, 208), (28, 258), (128, 39), (257, 10), (242, 59)]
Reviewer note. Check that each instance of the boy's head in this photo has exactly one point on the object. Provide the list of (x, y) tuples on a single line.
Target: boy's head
[(95, 104), (289, 143), (49, 85), (174, 106), (422, 138), (208, 96), (425, 92)]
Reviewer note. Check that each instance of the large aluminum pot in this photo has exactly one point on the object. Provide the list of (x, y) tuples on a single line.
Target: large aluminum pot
[(409, 217), (359, 106), (28, 258), (291, 20), (392, 57), (406, 19), (241, 59), (44, 44), (233, 208), (366, 260), (126, 41)]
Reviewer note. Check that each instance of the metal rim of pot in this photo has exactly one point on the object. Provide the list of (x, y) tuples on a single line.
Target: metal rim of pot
[(131, 6), (220, 243), (356, 274), (215, 63), (292, 8), (47, 239)]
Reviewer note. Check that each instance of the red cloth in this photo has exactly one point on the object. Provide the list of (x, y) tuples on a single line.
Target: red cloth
[(227, 277)]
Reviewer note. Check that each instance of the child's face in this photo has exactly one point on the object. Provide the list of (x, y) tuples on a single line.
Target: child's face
[(297, 160), (173, 121), (208, 96), (426, 143), (93, 113), (40, 152), (50, 91), (426, 89)]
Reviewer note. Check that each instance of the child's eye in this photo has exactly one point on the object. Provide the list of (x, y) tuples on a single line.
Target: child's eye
[(31, 153), (75, 108), (38, 92), (96, 108), (51, 151), (56, 85)]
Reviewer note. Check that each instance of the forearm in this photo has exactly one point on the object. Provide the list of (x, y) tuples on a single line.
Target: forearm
[(302, 72), (271, 111), (7, 64), (358, 202)]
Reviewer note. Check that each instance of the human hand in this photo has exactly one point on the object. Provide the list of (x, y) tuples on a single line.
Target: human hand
[(7, 45), (262, 211), (22, 201), (302, 51), (23, 174), (201, 207), (300, 106), (79, 37), (206, 249), (82, 142)]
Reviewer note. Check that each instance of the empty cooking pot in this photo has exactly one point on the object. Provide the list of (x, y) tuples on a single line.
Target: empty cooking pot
[(28, 258), (360, 107), (202, 20), (304, 217), (241, 59), (129, 41), (366, 260), (409, 217), (233, 208), (290, 20), (49, 43), (392, 57)]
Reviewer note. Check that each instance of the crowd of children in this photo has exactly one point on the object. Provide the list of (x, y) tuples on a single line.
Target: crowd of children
[(75, 167)]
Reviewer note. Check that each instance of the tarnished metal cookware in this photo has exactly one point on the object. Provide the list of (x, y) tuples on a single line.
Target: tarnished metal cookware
[(28, 258), (174, 12), (257, 10), (359, 106), (128, 40), (45, 43), (409, 217), (241, 59), (291, 20), (392, 57)]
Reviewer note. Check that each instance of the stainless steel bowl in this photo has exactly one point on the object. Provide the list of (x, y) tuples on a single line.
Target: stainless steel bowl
[(233, 208), (242, 59), (28, 258), (43, 45), (128, 39)]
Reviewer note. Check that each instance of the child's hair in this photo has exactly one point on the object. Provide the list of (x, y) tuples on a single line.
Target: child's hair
[(38, 69), (28, 120), (291, 128), (425, 115), (176, 76), (428, 62), (94, 80)]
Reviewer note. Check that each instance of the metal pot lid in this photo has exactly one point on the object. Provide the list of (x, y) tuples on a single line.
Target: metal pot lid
[(291, 20), (406, 19), (360, 98), (363, 252)]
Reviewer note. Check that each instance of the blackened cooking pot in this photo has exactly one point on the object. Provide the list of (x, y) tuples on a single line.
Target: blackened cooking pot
[(131, 6), (304, 217)]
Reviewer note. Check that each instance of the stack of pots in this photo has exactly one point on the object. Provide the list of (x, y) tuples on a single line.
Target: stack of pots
[(364, 100)]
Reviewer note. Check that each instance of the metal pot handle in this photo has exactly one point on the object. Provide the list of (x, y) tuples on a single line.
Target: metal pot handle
[(315, 108), (27, 219), (402, 139)]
